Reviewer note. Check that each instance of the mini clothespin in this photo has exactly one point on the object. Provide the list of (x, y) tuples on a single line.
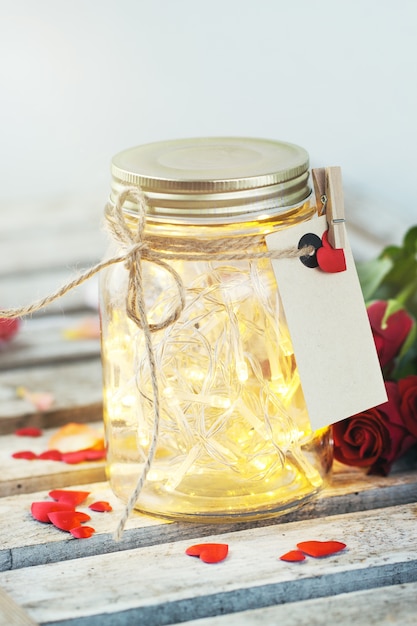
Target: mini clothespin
[(329, 190)]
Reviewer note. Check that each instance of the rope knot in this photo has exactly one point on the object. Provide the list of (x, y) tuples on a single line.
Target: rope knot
[(138, 250)]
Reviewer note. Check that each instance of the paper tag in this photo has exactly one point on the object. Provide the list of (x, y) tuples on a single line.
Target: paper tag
[(330, 331)]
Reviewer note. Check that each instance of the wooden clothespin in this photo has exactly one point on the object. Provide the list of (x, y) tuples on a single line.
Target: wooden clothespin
[(329, 191)]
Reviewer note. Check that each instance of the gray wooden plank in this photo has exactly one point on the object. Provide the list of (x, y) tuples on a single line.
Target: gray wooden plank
[(11, 614), (32, 543), (160, 585), (18, 290), (396, 604), (42, 236), (41, 340), (24, 476), (76, 389)]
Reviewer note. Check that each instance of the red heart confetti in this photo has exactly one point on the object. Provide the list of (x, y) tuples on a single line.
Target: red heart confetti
[(330, 259), (50, 455), (293, 556), (40, 510), (8, 328), (25, 454), (82, 532), (319, 549), (72, 458), (28, 431), (80, 456), (209, 552), (66, 520), (69, 496), (91, 454), (101, 507)]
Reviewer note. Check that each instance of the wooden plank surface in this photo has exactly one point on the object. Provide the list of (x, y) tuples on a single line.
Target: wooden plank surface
[(157, 585), (76, 389), (372, 607), (30, 542), (51, 578)]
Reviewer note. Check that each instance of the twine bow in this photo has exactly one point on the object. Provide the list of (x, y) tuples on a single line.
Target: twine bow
[(136, 246)]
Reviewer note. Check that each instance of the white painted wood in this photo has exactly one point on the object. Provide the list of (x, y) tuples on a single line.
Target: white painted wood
[(42, 340), (18, 290), (376, 607), (32, 543), (76, 389), (47, 236), (12, 614), (24, 476), (153, 583)]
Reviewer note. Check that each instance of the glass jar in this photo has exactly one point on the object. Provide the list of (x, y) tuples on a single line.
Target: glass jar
[(234, 440)]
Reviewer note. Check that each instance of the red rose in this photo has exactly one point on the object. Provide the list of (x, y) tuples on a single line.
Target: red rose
[(390, 335), (374, 438), (408, 392), (8, 328)]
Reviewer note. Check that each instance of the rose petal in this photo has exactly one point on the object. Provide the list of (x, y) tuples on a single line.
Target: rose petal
[(209, 552), (82, 532), (292, 556), (50, 455), (74, 437), (40, 510), (25, 454), (101, 507), (69, 495), (41, 400), (88, 328), (28, 431), (65, 520), (320, 548)]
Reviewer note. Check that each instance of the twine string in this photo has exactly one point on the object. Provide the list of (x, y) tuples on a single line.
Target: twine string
[(135, 247)]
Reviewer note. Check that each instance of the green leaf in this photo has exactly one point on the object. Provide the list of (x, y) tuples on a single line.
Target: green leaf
[(371, 275), (410, 240)]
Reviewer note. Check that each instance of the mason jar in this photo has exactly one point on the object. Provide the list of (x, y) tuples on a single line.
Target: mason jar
[(234, 438)]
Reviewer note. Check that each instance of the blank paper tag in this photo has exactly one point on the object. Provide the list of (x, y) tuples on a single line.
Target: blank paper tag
[(328, 323)]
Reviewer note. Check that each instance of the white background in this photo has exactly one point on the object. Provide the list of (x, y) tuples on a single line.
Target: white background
[(83, 79)]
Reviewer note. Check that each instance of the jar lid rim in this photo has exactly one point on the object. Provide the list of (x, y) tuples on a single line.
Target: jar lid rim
[(216, 164)]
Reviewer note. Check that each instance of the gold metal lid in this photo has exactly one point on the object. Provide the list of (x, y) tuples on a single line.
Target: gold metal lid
[(222, 176)]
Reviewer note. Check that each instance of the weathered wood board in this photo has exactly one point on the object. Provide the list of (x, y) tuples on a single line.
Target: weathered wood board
[(157, 584), (48, 577)]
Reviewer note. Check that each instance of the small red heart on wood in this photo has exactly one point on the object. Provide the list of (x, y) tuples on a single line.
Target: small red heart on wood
[(40, 510), (209, 552), (82, 532), (28, 431), (50, 455), (293, 556), (25, 454), (330, 259), (101, 507), (320, 548), (66, 520), (69, 495)]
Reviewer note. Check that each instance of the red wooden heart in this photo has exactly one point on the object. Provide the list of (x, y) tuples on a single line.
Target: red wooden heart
[(69, 495), (50, 455), (293, 556), (66, 520), (209, 552), (330, 259), (25, 454), (40, 510), (101, 507), (82, 532), (320, 548), (28, 431)]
